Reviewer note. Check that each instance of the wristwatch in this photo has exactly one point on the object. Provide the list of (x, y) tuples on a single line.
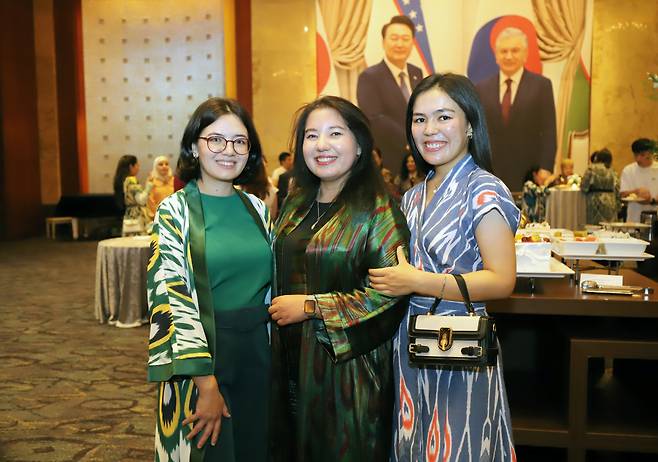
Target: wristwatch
[(310, 305)]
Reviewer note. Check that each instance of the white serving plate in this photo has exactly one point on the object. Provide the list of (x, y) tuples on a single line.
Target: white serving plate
[(568, 247), (533, 256), (630, 247), (556, 270)]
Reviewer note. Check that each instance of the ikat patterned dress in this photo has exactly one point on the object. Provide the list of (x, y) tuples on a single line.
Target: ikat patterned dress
[(441, 413)]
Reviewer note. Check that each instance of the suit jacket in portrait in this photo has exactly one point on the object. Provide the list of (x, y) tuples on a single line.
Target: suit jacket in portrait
[(529, 138), (380, 98)]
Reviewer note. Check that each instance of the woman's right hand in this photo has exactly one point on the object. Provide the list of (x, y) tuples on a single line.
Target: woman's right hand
[(210, 408)]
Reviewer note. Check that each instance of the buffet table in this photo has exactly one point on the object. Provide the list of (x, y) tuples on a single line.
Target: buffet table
[(120, 297), (579, 367)]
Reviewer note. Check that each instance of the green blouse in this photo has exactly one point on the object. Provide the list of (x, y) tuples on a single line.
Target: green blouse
[(238, 257)]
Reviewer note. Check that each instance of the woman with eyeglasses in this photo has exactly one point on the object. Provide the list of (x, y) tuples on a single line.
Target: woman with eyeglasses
[(208, 284)]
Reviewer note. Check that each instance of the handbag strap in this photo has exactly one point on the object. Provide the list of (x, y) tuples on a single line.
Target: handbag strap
[(461, 283)]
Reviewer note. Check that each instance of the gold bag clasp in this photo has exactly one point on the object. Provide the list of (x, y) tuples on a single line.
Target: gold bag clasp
[(445, 338)]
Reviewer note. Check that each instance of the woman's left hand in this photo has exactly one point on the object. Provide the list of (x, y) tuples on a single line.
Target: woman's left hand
[(288, 309), (395, 280)]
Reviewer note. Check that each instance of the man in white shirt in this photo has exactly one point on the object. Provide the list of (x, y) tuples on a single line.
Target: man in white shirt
[(285, 164), (383, 91), (520, 112), (639, 180)]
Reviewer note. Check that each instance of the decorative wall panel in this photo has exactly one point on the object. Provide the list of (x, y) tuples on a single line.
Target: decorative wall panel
[(147, 65), (624, 102)]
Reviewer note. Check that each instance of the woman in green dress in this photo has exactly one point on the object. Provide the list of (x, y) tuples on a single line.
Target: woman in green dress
[(331, 349), (209, 279)]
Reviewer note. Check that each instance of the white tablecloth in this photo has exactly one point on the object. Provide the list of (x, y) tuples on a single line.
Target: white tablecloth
[(120, 296), (566, 208)]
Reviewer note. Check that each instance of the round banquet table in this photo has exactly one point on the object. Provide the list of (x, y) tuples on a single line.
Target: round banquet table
[(566, 209), (120, 295)]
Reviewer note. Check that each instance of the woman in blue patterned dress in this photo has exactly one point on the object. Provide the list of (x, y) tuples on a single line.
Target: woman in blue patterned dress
[(462, 221)]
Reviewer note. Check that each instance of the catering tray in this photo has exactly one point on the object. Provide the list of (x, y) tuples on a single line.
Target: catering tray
[(624, 225), (622, 247), (606, 257), (569, 246), (557, 270)]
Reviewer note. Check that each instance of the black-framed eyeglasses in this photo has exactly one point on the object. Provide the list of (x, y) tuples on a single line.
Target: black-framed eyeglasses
[(218, 144)]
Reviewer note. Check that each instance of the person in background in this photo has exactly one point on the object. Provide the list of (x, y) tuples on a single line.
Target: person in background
[(283, 186), (566, 168), (124, 168), (566, 172), (600, 184), (409, 175), (520, 111), (639, 180), (136, 219), (386, 173), (535, 191), (163, 183), (261, 187), (208, 283), (285, 164), (382, 90), (462, 221), (331, 346)]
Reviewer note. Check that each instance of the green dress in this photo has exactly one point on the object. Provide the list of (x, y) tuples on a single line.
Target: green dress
[(239, 263), (332, 377)]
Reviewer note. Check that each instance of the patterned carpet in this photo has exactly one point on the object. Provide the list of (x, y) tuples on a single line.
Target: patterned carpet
[(73, 390)]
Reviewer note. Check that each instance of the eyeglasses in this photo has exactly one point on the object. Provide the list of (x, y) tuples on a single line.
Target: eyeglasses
[(218, 144)]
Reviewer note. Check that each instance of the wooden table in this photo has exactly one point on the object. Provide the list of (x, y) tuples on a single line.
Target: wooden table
[(559, 347)]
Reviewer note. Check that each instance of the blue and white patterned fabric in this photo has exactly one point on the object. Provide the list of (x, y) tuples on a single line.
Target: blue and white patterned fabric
[(442, 413)]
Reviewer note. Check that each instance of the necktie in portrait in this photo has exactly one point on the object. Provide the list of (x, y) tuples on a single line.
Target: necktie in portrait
[(403, 86)]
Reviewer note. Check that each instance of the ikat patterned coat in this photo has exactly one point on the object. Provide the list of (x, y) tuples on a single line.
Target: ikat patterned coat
[(182, 337)]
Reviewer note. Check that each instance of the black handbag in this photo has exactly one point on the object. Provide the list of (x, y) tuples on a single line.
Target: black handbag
[(457, 341)]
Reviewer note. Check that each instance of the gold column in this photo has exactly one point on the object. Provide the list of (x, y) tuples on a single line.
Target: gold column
[(230, 70), (624, 106), (48, 136), (283, 68)]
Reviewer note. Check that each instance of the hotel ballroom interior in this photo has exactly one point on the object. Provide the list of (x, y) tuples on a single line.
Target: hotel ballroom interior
[(84, 83)]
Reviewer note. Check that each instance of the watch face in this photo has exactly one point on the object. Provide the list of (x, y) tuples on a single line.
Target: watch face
[(309, 306)]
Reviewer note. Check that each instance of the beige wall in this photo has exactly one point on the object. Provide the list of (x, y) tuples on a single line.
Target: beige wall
[(146, 69), (624, 104), (283, 57)]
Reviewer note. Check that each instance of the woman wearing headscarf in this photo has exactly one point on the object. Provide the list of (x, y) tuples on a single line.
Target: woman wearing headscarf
[(163, 183)]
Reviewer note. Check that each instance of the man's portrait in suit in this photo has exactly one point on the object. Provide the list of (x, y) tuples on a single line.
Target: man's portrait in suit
[(520, 112), (383, 90)]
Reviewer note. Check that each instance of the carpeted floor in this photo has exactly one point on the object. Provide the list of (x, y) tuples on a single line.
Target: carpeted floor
[(72, 389)]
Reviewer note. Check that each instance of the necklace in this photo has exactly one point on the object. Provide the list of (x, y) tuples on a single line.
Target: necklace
[(320, 215)]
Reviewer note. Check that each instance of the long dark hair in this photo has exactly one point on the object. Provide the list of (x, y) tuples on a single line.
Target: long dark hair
[(259, 184), (530, 173), (462, 91), (207, 113), (122, 172), (603, 156), (364, 181)]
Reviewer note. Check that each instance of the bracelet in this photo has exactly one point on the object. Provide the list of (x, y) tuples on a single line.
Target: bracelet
[(443, 286)]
